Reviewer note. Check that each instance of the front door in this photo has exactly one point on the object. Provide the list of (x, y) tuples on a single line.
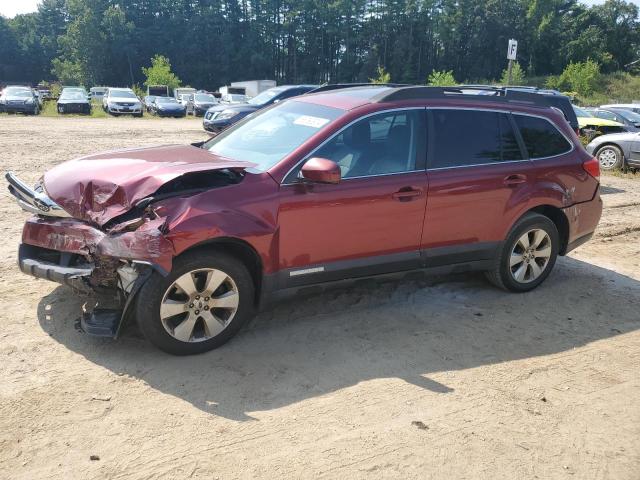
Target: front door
[(370, 222)]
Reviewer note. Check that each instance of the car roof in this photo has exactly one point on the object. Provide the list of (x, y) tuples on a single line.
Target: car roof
[(350, 98)]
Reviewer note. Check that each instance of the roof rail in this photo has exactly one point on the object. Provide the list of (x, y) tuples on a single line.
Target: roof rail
[(339, 86), (475, 93)]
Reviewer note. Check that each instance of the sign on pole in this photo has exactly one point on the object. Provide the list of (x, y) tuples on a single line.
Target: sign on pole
[(512, 50)]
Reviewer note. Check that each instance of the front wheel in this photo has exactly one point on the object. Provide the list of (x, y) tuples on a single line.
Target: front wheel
[(199, 306), (528, 254), (610, 157)]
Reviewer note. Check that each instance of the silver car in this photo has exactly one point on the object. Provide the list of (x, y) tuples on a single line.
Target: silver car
[(616, 150)]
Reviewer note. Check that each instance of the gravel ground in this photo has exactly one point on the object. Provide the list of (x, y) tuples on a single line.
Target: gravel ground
[(424, 378)]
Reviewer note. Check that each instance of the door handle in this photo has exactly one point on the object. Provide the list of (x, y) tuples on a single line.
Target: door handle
[(406, 193), (515, 179)]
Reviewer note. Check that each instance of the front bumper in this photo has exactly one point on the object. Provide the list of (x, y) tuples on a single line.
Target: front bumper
[(123, 109), (171, 113), (19, 107), (64, 268), (74, 108), (216, 126)]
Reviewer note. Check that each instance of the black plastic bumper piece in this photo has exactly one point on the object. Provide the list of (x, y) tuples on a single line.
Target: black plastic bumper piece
[(31, 262), (101, 322)]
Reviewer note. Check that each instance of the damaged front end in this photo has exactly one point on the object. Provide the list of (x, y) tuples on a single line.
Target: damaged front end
[(115, 256)]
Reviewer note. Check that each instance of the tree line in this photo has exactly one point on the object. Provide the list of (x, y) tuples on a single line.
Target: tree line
[(213, 42)]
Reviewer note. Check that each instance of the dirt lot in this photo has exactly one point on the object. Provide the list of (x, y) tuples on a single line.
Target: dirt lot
[(438, 378)]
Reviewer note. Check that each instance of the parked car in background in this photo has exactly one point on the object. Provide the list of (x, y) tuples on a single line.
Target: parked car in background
[(634, 107), (19, 99), (203, 102), (118, 101), (591, 125), (167, 107), (616, 150), (628, 118), (221, 116), (148, 101), (73, 101), (320, 188), (96, 93), (82, 90), (186, 99)]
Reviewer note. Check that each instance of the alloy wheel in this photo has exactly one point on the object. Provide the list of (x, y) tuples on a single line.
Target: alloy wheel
[(530, 255), (199, 305), (607, 158)]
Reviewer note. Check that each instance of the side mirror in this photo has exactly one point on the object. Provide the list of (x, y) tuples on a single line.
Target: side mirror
[(321, 170)]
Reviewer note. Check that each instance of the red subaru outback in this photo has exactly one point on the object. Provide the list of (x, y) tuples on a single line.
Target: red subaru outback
[(325, 187)]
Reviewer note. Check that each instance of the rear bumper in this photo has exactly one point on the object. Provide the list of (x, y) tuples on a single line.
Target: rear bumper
[(583, 219)]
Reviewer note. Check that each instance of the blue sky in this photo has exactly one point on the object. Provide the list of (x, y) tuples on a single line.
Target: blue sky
[(10, 8)]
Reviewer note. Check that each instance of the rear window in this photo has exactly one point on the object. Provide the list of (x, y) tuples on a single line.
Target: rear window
[(541, 138), (472, 137)]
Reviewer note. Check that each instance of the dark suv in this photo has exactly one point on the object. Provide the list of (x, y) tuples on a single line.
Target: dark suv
[(324, 187), (219, 117)]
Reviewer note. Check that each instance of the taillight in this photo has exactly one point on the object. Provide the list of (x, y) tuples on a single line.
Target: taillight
[(592, 167)]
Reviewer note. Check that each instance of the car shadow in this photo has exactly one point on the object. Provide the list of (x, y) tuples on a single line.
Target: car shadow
[(604, 190), (409, 329)]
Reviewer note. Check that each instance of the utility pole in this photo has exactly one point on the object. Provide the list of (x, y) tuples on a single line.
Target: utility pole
[(512, 51)]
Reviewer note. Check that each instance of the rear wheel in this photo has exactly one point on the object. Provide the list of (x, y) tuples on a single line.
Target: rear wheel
[(528, 254), (610, 157), (199, 306)]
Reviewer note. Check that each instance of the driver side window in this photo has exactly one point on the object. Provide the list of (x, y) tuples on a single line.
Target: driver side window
[(382, 144)]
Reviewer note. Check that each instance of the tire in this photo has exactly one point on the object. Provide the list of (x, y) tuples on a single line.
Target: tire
[(610, 157), (201, 333), (138, 115), (537, 266)]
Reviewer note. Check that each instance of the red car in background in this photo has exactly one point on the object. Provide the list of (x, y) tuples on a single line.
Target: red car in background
[(324, 187)]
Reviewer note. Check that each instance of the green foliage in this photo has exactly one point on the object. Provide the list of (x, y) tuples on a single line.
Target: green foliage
[(67, 72), (441, 78), (106, 42), (138, 90), (581, 77), (517, 75), (383, 76), (159, 73)]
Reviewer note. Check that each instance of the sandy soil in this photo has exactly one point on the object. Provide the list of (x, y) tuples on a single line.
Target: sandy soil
[(422, 378)]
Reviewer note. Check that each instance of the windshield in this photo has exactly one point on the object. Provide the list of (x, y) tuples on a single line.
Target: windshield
[(270, 135), (73, 95), (580, 112), (122, 94), (629, 115), (265, 96), (165, 100), (21, 93), (205, 98)]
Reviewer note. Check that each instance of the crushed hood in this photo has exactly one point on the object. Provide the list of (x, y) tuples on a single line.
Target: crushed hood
[(98, 188)]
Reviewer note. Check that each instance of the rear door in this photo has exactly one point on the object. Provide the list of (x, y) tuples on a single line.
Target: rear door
[(478, 176)]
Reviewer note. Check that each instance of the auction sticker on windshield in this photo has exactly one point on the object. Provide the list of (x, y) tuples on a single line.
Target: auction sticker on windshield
[(310, 121)]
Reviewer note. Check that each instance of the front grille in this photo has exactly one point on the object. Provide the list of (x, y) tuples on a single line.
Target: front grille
[(123, 104)]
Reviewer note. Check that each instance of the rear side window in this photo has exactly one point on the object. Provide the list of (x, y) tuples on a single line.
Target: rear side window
[(541, 138), (472, 137)]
